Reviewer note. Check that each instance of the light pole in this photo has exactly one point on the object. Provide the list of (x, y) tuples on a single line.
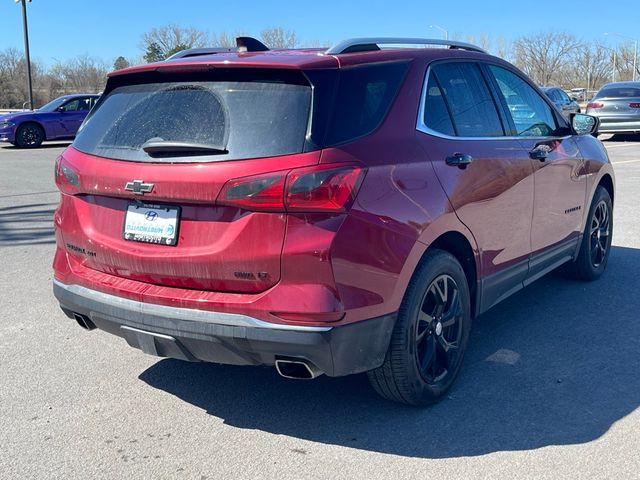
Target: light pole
[(443, 30), (635, 49), (26, 48), (613, 72)]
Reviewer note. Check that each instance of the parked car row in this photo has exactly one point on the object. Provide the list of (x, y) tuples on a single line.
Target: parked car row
[(616, 106), (561, 100), (57, 120)]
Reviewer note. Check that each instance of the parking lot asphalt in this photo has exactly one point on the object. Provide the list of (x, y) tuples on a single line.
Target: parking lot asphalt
[(550, 387)]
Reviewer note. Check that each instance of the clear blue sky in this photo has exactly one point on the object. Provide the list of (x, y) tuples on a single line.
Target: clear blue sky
[(63, 29)]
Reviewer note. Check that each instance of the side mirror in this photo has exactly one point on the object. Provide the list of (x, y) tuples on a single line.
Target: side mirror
[(61, 109), (584, 124)]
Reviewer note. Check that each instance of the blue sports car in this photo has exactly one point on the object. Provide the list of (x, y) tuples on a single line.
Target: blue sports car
[(58, 119)]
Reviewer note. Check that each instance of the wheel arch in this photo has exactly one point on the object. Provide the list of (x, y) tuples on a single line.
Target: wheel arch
[(35, 122), (607, 182), (456, 244)]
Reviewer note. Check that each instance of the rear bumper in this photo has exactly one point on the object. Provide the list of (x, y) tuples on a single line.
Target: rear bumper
[(619, 124), (198, 335)]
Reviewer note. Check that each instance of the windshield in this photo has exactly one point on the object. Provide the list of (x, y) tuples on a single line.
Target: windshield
[(53, 104), (223, 120)]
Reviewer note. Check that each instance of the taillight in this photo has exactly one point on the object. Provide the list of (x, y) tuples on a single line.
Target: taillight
[(595, 105), (323, 188), (635, 105), (66, 178), (259, 192)]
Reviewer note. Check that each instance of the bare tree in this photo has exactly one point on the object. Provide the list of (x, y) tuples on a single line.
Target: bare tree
[(13, 80), (624, 62), (223, 39), (503, 48), (278, 37), (162, 42), (484, 41), (589, 66), (542, 55), (81, 74)]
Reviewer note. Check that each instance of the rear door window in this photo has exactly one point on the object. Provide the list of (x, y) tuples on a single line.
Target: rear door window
[(564, 98), (230, 119), (465, 93), (554, 96), (436, 114), (531, 115)]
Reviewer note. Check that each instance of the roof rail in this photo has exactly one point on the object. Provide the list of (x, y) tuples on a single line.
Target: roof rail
[(372, 43), (244, 44), (196, 52)]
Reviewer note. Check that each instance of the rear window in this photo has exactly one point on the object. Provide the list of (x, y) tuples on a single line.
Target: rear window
[(364, 96), (238, 119), (618, 92)]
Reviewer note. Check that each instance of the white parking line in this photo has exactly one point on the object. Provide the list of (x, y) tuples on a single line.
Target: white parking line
[(618, 145), (626, 161)]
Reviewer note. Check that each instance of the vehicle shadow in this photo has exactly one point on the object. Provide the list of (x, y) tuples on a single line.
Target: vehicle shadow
[(29, 224), (623, 137), (556, 364), (45, 145)]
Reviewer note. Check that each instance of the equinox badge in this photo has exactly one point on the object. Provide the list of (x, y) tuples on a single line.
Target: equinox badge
[(139, 187)]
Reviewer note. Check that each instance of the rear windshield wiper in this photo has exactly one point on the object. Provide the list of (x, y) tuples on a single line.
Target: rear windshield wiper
[(159, 147)]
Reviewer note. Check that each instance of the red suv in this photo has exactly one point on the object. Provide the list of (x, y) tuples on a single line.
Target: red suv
[(339, 211)]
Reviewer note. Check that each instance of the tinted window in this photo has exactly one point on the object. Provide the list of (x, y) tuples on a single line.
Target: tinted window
[(364, 96), (85, 103), (436, 115), (531, 115), (248, 119), (613, 92), (72, 106), (564, 98), (467, 96)]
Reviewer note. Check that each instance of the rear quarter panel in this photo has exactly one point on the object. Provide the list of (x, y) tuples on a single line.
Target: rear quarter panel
[(596, 165)]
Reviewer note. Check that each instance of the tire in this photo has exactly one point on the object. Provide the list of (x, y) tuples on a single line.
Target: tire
[(29, 135), (596, 239), (425, 354)]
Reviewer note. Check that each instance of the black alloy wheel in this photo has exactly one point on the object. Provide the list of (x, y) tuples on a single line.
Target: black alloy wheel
[(438, 330), (599, 234), (430, 336), (596, 240), (29, 135)]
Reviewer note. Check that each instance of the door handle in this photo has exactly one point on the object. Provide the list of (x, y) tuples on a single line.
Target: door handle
[(460, 160), (540, 152)]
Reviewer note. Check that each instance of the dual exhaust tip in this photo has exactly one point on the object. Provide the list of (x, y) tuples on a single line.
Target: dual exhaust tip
[(297, 368)]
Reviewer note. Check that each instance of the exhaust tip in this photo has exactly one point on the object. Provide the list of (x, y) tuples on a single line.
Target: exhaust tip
[(298, 369), (84, 321)]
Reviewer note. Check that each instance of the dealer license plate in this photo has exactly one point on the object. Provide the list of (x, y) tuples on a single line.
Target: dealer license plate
[(151, 224)]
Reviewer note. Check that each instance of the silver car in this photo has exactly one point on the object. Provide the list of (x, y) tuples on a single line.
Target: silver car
[(617, 105), (561, 100)]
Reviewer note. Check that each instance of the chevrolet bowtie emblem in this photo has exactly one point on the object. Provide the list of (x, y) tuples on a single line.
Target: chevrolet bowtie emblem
[(139, 187)]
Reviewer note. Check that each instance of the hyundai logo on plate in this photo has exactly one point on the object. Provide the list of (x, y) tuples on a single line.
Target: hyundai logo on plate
[(150, 215)]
